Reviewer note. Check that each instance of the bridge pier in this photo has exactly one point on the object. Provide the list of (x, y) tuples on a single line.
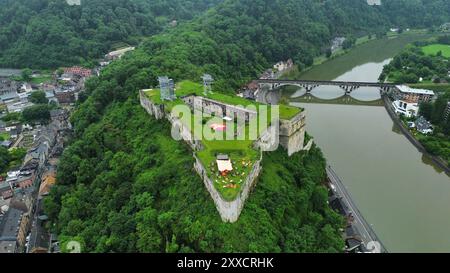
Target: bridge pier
[(349, 88), (309, 87)]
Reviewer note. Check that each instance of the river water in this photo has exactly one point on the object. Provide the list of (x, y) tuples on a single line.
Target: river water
[(400, 193)]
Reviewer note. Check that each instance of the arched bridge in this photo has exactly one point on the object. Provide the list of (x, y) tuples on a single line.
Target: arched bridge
[(309, 85)]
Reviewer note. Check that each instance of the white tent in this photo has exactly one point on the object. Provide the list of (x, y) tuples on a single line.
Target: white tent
[(224, 165)]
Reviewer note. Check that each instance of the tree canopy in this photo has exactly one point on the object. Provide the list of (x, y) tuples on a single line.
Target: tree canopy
[(38, 97), (51, 33), (57, 34)]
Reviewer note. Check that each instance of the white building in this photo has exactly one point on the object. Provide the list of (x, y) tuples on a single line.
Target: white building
[(18, 107), (409, 109), (283, 66), (407, 93), (113, 55)]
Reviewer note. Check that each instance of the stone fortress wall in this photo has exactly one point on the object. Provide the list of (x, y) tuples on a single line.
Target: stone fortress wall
[(291, 137), (292, 133)]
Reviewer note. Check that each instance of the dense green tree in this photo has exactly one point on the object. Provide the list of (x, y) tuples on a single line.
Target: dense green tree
[(26, 74), (426, 110), (412, 64), (57, 34), (4, 159), (39, 113), (38, 97)]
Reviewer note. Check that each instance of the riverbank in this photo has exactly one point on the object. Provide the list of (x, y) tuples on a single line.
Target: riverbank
[(357, 228), (365, 50), (401, 193), (436, 159)]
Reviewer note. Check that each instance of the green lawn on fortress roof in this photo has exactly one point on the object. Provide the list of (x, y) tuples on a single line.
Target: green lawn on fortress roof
[(435, 48), (185, 88), (240, 151)]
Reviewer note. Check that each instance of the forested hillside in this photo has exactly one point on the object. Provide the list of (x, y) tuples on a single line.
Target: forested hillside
[(51, 33), (125, 185)]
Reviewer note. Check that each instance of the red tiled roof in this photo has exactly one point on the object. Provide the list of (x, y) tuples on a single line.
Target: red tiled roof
[(77, 70)]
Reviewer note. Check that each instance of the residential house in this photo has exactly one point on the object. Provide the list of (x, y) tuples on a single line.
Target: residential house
[(117, 54), (423, 125), (5, 190), (50, 95), (250, 90), (18, 107), (283, 66), (337, 43), (445, 27), (406, 108), (77, 70), (13, 231), (65, 96), (26, 87), (6, 143), (13, 133)]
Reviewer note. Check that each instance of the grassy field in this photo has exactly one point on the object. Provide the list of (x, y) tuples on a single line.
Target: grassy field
[(435, 48), (41, 79), (4, 136), (187, 87)]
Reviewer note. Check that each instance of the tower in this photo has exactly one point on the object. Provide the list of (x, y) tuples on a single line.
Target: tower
[(207, 82), (167, 88)]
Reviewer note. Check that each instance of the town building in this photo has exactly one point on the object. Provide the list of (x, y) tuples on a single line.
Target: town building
[(283, 66), (117, 54), (5, 190), (8, 91), (408, 109), (406, 93), (22, 220), (18, 107), (77, 70), (13, 228), (6, 143), (423, 126), (337, 43), (445, 27), (65, 96)]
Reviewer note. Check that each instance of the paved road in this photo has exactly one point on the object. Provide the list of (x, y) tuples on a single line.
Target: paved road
[(368, 236)]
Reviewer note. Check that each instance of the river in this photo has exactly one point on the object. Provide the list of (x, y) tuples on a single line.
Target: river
[(400, 193)]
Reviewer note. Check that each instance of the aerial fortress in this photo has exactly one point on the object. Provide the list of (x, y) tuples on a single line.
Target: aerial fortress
[(229, 168)]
